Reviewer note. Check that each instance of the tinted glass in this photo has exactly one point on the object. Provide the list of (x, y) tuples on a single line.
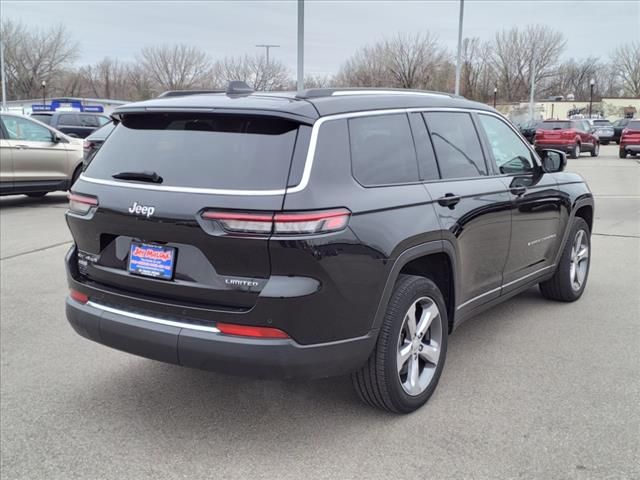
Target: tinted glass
[(555, 125), (22, 129), (509, 152), (102, 120), (42, 118), (602, 123), (426, 156), (382, 150), (634, 125), (68, 119), (88, 120), (199, 150), (102, 132), (456, 144)]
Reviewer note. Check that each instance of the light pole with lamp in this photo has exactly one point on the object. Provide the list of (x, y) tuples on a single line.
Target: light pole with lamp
[(592, 82), (43, 85), (495, 94)]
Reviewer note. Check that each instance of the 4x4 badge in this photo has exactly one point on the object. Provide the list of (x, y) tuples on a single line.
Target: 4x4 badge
[(139, 209)]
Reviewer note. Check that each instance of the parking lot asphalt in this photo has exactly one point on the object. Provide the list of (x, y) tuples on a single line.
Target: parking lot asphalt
[(531, 389)]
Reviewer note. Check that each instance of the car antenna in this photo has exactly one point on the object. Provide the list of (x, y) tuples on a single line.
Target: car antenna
[(237, 87)]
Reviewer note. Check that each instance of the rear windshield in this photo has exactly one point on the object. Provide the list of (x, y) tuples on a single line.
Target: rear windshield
[(43, 118), (602, 123), (200, 150), (634, 125), (554, 125)]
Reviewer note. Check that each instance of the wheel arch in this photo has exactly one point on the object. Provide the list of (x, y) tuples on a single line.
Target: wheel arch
[(433, 260)]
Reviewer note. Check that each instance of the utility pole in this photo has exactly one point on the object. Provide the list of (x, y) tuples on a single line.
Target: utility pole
[(300, 82), (3, 77), (533, 84), (267, 46), (459, 56)]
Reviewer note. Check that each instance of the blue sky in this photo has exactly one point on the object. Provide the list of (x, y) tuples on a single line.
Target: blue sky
[(334, 29)]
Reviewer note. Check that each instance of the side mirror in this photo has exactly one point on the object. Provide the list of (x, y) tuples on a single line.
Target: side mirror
[(553, 160)]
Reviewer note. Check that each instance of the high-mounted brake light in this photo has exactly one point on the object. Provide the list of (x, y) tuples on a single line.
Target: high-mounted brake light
[(81, 203), (289, 223), (250, 331)]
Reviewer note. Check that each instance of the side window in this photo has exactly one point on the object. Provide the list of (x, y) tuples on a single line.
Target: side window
[(426, 157), (88, 120), (69, 119), (102, 120), (382, 150), (22, 129), (509, 152), (456, 144)]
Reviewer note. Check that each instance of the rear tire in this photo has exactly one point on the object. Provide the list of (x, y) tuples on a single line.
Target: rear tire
[(622, 153), (606, 142), (36, 194), (596, 150), (570, 278), (407, 361), (575, 151)]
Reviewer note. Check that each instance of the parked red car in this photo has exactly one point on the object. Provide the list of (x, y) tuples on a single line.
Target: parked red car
[(571, 136), (630, 139)]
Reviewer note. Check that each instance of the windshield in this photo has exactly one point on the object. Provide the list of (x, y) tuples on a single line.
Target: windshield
[(42, 118), (634, 125), (200, 150)]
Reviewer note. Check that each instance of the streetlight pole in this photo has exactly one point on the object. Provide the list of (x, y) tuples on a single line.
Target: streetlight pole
[(267, 46), (44, 96), (3, 77), (592, 82), (533, 85), (495, 94), (459, 56), (300, 82)]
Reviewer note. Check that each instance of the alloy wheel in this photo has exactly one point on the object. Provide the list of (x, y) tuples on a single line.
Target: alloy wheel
[(579, 260), (419, 346)]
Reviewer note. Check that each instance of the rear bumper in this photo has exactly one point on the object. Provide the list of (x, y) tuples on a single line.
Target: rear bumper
[(168, 340), (563, 147), (635, 148)]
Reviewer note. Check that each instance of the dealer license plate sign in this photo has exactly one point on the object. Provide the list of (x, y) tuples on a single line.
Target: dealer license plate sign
[(156, 261)]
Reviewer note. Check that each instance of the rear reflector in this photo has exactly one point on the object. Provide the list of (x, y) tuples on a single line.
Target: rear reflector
[(81, 203), (249, 331), (79, 296), (291, 223)]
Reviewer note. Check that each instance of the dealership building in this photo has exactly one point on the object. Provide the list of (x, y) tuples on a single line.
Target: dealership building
[(75, 104)]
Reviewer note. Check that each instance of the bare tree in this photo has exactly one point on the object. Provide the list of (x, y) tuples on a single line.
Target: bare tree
[(253, 70), (477, 74), (403, 61), (626, 60), (32, 56), (517, 52), (108, 79), (176, 67)]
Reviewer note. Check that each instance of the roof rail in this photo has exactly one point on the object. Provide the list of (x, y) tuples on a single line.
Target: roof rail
[(184, 93), (339, 92)]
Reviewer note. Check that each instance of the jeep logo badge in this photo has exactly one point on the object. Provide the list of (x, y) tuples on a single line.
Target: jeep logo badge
[(138, 209)]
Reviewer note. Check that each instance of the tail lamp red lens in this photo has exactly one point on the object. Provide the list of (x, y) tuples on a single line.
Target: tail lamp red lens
[(81, 203), (250, 331), (79, 296), (289, 223)]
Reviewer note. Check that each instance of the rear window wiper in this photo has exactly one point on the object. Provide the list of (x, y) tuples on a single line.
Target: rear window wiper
[(151, 177)]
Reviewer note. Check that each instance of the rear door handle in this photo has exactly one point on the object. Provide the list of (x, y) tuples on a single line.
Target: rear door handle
[(449, 200), (518, 190), (21, 147)]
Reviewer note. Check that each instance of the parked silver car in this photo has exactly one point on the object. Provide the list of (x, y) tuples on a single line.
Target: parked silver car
[(34, 158)]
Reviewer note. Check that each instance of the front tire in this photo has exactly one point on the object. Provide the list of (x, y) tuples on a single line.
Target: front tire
[(605, 142), (407, 361), (570, 279)]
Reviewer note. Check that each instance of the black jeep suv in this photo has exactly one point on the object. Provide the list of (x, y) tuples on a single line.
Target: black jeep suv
[(315, 234)]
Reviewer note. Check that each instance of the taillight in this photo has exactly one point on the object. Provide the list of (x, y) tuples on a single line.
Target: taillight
[(625, 131), (86, 145), (79, 296), (568, 133), (81, 203), (289, 223), (250, 331)]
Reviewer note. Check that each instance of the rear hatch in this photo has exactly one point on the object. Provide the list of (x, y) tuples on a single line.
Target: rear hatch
[(153, 179), (550, 131), (631, 134)]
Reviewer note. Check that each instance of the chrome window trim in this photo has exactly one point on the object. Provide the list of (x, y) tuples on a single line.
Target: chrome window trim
[(147, 318), (306, 174), (504, 285)]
